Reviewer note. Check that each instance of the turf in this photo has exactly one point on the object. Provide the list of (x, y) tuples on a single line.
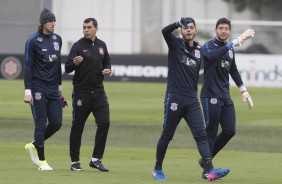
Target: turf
[(134, 165), (136, 123)]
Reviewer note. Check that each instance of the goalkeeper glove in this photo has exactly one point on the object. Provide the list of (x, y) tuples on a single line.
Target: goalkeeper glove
[(64, 103), (246, 97), (249, 33), (183, 22)]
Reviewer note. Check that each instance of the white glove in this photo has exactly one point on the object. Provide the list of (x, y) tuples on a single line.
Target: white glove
[(249, 33), (246, 97)]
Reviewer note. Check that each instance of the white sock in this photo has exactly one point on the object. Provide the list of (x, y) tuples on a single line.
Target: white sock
[(74, 162), (94, 159)]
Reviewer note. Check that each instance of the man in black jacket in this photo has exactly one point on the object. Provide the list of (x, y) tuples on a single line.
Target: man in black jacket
[(90, 60)]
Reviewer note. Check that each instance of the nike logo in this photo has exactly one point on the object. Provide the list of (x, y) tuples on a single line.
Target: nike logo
[(96, 165)]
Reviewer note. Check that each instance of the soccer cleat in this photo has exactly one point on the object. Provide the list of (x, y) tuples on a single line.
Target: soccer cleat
[(216, 174), (98, 165), (30, 148), (44, 166), (158, 175), (75, 166)]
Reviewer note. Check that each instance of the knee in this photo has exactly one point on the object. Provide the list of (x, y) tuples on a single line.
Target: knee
[(104, 125), (229, 133), (56, 126)]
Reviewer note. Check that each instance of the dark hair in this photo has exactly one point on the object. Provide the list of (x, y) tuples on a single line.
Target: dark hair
[(223, 21), (94, 21), (191, 20), (40, 28)]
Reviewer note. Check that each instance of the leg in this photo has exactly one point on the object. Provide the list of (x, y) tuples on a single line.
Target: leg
[(101, 112), (228, 125), (194, 120), (172, 118), (39, 111), (81, 111), (212, 113), (54, 109)]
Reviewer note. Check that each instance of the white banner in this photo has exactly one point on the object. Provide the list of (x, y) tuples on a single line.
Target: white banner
[(259, 70)]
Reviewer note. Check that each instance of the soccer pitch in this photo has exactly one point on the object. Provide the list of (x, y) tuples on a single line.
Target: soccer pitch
[(253, 155)]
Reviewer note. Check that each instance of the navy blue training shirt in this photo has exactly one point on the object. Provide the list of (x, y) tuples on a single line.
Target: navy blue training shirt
[(219, 62), (183, 64), (43, 62)]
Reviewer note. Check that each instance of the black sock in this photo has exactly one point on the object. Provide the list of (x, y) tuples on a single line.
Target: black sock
[(158, 165), (40, 151), (208, 166)]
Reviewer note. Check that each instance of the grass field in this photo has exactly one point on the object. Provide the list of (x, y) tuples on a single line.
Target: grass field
[(254, 154)]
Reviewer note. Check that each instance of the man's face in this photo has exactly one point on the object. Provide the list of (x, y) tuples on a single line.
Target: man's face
[(222, 32), (49, 27), (188, 34), (89, 30)]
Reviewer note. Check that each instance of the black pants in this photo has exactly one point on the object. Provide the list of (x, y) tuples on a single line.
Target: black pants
[(83, 104), (219, 111), (176, 108), (46, 106)]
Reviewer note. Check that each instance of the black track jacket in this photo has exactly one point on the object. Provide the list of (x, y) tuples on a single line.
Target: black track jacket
[(88, 75)]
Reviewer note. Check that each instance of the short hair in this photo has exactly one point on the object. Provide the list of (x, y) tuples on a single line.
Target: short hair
[(223, 21), (94, 21), (191, 20)]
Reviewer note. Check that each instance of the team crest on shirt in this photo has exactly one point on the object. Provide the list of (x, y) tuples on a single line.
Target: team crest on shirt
[(213, 100), (56, 46), (230, 52), (197, 54), (101, 51), (79, 103), (37, 96), (54, 37), (173, 106)]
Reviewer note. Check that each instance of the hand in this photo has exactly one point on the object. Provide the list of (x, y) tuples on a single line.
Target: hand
[(64, 103), (249, 33), (183, 22), (28, 99), (106, 72), (77, 60), (247, 97)]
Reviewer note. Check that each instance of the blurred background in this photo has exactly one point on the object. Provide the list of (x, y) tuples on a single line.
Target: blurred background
[(132, 31)]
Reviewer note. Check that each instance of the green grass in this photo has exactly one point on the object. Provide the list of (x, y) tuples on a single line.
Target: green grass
[(253, 155), (134, 165)]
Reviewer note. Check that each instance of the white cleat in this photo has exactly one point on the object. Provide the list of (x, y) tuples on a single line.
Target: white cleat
[(30, 148), (44, 166)]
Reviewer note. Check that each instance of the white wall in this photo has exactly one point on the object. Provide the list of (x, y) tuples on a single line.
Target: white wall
[(120, 24)]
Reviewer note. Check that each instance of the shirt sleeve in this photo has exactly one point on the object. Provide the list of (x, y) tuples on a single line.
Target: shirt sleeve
[(214, 54), (235, 73), (29, 59), (69, 66), (106, 61), (167, 34)]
